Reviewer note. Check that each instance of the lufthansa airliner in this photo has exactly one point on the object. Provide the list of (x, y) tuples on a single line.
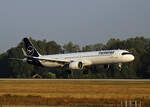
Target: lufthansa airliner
[(77, 60)]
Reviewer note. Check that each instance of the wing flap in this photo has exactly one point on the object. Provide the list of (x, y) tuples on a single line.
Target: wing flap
[(54, 60)]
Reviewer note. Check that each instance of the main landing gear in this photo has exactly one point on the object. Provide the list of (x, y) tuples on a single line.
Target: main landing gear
[(85, 71), (69, 71)]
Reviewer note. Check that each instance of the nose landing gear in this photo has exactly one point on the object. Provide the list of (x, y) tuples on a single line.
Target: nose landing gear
[(120, 66)]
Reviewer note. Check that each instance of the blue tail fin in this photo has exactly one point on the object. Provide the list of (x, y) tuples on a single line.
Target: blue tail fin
[(30, 49)]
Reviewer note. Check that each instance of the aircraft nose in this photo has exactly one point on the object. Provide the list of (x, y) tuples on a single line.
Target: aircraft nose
[(132, 57)]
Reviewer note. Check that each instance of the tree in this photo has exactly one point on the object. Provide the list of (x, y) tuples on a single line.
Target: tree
[(70, 47)]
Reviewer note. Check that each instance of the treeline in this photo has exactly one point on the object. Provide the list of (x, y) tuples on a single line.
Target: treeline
[(139, 68)]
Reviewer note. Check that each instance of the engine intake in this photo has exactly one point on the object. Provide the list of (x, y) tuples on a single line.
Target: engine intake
[(76, 65)]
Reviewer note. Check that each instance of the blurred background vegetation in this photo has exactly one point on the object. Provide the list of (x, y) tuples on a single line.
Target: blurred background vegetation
[(140, 68)]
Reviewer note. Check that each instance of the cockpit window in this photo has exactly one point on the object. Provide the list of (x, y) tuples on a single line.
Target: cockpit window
[(126, 53)]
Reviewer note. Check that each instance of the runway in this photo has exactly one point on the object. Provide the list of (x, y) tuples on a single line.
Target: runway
[(134, 80)]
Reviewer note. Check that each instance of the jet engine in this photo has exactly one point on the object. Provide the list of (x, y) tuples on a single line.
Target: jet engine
[(76, 65)]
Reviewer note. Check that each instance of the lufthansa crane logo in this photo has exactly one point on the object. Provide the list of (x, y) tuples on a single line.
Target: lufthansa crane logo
[(30, 50)]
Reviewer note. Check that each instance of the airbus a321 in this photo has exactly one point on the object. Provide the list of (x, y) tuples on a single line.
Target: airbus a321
[(75, 61)]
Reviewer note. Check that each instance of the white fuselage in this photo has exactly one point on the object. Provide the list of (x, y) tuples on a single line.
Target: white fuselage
[(87, 58)]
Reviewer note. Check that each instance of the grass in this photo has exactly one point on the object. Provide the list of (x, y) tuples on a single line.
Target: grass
[(69, 93)]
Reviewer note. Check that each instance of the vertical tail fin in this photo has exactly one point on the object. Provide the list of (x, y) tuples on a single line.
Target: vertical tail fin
[(30, 49)]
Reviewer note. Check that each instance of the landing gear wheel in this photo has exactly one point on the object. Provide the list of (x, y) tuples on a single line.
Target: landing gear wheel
[(120, 67), (85, 72), (68, 71)]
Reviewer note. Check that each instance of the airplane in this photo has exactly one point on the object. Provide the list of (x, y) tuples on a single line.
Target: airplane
[(74, 61)]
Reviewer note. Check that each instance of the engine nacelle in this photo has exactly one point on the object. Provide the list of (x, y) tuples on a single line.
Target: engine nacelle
[(76, 65)]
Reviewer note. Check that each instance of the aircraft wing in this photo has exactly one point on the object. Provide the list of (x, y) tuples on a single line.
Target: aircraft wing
[(61, 61), (41, 59)]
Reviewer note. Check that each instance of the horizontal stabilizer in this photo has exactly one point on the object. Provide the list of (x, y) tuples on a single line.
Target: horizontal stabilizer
[(17, 59), (24, 53)]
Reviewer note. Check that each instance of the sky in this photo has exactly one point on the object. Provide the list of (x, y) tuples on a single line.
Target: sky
[(80, 21)]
